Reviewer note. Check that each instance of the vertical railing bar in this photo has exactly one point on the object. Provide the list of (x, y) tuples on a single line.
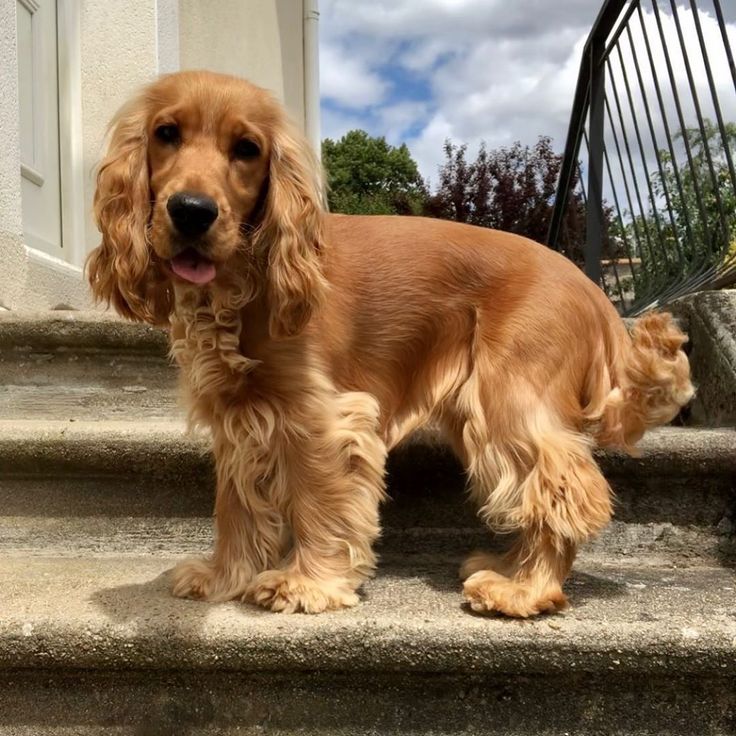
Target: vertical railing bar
[(655, 142), (640, 143), (594, 210), (582, 183), (634, 224), (564, 233), (619, 288), (564, 192), (703, 263), (681, 119), (634, 273), (700, 268), (581, 179), (665, 252), (714, 93), (701, 125), (634, 180), (618, 211), (726, 42), (605, 22), (668, 134), (580, 174)]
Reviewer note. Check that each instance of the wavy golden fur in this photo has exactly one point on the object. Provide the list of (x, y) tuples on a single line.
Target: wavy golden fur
[(320, 341)]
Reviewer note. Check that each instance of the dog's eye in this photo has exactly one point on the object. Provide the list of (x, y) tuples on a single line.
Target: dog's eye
[(168, 133), (246, 149)]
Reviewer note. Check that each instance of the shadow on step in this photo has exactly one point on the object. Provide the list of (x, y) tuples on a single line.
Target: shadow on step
[(151, 604), (416, 581)]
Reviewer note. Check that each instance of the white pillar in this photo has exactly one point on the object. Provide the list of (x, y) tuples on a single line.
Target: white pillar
[(311, 74), (12, 252)]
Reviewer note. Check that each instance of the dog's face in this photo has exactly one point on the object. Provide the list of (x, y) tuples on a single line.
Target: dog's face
[(204, 176), (208, 153)]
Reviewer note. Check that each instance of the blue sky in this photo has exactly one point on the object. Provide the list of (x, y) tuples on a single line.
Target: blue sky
[(422, 71)]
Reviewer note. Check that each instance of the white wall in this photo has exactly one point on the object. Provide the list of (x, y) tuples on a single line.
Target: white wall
[(167, 22), (122, 45), (119, 55), (264, 45), (12, 253)]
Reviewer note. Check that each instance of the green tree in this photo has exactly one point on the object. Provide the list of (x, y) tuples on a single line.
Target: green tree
[(691, 227), (510, 188), (368, 176)]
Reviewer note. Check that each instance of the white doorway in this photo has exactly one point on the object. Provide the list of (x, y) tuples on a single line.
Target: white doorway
[(38, 77)]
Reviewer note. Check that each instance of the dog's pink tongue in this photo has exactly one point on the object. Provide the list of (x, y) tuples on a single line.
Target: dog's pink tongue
[(193, 267)]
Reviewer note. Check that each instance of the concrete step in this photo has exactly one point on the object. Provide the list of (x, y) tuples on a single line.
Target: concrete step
[(97, 640), (102, 492), (117, 611), (225, 703), (83, 366), (86, 394), (67, 536), (152, 466), (67, 330)]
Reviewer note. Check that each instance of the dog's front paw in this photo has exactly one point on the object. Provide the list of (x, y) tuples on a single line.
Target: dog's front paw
[(291, 592), (203, 579)]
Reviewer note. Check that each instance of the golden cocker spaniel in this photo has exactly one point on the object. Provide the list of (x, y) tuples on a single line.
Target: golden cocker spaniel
[(310, 344)]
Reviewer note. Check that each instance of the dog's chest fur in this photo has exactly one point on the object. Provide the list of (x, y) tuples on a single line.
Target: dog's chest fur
[(205, 342)]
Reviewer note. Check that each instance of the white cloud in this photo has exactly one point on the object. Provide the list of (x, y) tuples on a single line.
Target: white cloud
[(494, 70), (398, 119), (348, 80)]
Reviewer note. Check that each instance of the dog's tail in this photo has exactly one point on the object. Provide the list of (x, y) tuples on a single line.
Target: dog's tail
[(641, 381)]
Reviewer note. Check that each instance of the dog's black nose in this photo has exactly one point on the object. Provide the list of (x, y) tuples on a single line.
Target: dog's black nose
[(192, 213)]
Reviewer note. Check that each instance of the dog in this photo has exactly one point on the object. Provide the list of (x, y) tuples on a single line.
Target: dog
[(310, 344)]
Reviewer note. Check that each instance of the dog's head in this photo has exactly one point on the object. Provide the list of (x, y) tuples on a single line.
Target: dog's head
[(204, 175)]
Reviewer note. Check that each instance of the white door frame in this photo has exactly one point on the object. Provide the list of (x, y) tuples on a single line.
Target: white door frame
[(71, 158)]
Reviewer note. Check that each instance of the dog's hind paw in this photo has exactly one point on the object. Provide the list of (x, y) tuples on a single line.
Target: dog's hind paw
[(488, 592)]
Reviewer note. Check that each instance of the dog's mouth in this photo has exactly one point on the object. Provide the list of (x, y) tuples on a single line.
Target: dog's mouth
[(193, 267)]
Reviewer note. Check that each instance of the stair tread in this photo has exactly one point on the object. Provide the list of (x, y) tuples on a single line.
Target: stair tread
[(116, 612), (53, 534), (669, 451), (132, 424), (72, 329), (154, 467)]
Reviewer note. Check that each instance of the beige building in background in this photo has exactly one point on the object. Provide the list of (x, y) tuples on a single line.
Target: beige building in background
[(65, 68)]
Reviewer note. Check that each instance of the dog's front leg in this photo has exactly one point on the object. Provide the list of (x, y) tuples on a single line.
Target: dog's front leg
[(249, 532), (335, 485)]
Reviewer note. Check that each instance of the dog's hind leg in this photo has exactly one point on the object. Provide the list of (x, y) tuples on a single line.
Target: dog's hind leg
[(536, 479)]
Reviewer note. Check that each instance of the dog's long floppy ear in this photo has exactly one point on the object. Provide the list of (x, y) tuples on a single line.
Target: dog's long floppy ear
[(122, 269), (290, 233)]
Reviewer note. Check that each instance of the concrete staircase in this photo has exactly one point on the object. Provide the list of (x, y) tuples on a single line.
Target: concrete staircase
[(101, 492)]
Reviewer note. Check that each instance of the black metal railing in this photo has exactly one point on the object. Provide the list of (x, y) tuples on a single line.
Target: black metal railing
[(651, 146)]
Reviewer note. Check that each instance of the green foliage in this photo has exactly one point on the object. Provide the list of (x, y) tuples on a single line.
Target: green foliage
[(705, 209), (367, 176), (509, 188), (700, 233)]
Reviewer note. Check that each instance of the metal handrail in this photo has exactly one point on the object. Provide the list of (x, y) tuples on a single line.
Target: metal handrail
[(668, 217)]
